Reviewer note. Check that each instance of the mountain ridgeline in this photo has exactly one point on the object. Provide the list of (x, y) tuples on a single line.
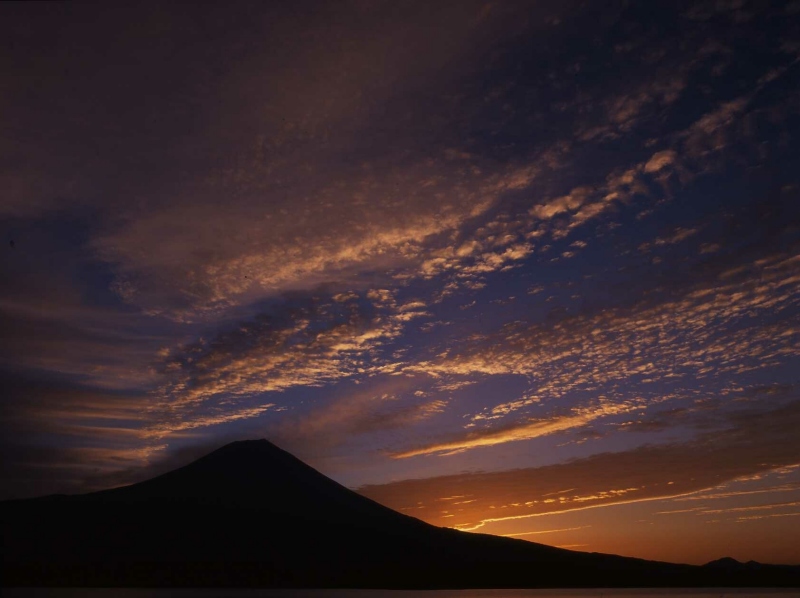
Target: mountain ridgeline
[(252, 515)]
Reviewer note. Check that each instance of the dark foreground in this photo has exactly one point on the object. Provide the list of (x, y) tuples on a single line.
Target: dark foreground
[(357, 593), (251, 515)]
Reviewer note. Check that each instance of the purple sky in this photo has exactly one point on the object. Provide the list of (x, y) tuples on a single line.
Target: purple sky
[(525, 268)]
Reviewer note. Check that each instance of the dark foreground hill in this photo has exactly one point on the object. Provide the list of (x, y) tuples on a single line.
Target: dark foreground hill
[(250, 514)]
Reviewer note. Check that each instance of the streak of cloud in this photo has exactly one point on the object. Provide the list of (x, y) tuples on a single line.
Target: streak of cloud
[(520, 431), (762, 441)]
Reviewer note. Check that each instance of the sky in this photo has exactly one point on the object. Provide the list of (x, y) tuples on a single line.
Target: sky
[(521, 268)]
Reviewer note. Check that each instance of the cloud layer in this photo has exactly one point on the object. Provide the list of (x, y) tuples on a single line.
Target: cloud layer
[(406, 240)]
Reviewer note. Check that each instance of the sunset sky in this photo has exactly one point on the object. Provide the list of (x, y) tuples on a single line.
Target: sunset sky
[(523, 268)]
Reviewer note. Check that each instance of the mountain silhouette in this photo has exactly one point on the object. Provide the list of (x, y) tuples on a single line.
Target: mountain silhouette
[(251, 514)]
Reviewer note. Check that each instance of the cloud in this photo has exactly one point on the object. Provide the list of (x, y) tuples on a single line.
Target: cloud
[(524, 430), (624, 111), (673, 349), (547, 531), (291, 194), (712, 132), (228, 188), (754, 441), (305, 341), (177, 253), (576, 198), (708, 325), (660, 160), (285, 229), (56, 433), (376, 408), (678, 235)]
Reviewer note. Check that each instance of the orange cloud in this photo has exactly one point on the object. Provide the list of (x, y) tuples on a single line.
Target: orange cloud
[(759, 442), (520, 431)]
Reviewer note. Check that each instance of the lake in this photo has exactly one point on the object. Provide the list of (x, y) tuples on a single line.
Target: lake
[(251, 593)]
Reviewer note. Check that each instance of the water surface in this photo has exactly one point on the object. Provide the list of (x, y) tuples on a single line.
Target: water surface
[(257, 593)]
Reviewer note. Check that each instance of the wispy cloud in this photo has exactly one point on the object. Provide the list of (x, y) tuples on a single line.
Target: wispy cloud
[(759, 442), (706, 330), (547, 531), (361, 411), (525, 430)]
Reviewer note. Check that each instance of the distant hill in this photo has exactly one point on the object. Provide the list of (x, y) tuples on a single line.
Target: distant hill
[(251, 514), (731, 565)]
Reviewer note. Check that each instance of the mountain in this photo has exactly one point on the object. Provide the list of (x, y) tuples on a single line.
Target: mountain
[(732, 566), (251, 514)]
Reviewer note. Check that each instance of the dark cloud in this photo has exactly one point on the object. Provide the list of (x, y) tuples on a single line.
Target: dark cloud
[(57, 432)]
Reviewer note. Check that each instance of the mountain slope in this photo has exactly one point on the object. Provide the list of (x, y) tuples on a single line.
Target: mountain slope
[(250, 514)]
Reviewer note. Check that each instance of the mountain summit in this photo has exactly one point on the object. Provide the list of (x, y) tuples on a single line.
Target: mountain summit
[(254, 474), (251, 514)]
